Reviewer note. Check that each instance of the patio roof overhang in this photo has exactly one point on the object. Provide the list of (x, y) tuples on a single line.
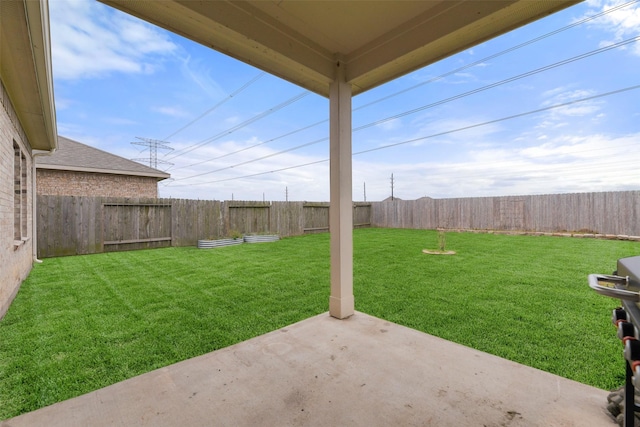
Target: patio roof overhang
[(339, 49), (377, 41)]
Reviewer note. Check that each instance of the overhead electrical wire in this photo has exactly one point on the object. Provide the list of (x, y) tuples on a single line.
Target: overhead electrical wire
[(440, 77), (261, 143), (252, 175), (617, 168), (535, 157), (219, 104), (503, 52), (539, 110), (243, 124), (297, 147), (215, 107), (502, 82), (422, 108)]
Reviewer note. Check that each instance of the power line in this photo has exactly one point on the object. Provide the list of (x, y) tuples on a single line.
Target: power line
[(440, 77), (256, 159), (219, 104), (503, 52), (422, 108), (551, 107), (502, 82), (253, 175), (618, 168), (539, 110), (265, 142), (216, 106), (240, 126)]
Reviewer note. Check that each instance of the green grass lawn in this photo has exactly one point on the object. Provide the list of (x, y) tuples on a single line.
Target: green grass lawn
[(81, 323)]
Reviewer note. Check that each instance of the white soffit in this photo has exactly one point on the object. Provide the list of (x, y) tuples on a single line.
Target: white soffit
[(25, 68), (377, 41)]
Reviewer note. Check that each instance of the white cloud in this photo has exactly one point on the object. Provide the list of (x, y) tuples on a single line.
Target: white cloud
[(465, 76), (453, 130), (460, 78), (171, 111), (556, 165), (562, 95), (63, 103), (220, 178), (621, 24), (89, 40), (390, 125), (197, 71), (232, 120)]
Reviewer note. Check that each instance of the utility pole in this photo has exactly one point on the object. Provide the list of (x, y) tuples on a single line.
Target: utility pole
[(364, 187), (391, 187), (286, 194), (153, 145)]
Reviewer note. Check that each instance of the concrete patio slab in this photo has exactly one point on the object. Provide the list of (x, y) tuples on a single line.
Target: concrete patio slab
[(362, 371)]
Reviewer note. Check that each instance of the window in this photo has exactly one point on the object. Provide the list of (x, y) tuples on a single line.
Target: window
[(23, 195), (19, 194)]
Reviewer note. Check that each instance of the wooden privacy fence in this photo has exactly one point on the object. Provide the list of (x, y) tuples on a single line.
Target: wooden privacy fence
[(616, 213), (84, 225)]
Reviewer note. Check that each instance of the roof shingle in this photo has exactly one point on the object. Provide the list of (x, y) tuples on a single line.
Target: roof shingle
[(75, 156)]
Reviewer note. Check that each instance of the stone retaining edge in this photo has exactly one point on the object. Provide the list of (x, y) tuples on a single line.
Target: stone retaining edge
[(544, 233)]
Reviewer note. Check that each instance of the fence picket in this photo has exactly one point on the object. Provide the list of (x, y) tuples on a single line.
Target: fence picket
[(82, 225)]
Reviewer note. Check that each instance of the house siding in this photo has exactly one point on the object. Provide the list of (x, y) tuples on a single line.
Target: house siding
[(52, 182), (15, 259)]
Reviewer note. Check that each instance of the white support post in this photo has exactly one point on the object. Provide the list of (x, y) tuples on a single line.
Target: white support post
[(341, 302)]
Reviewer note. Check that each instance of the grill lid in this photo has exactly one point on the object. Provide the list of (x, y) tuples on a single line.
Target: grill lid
[(630, 268)]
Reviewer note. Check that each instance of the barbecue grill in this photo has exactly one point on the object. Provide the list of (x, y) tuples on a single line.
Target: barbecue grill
[(624, 284)]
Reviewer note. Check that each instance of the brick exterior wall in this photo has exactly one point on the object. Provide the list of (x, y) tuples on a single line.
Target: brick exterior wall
[(52, 182), (15, 256)]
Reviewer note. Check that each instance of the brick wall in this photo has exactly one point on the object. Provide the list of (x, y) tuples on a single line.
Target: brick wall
[(51, 182), (15, 256)]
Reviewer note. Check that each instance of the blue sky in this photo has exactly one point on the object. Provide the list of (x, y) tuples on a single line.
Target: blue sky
[(442, 131)]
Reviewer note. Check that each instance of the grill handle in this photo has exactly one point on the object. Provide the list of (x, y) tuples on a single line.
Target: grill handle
[(623, 294)]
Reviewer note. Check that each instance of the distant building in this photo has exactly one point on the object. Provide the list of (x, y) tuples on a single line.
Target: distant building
[(77, 169)]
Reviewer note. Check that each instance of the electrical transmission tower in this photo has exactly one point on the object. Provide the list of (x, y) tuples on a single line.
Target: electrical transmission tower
[(153, 145)]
